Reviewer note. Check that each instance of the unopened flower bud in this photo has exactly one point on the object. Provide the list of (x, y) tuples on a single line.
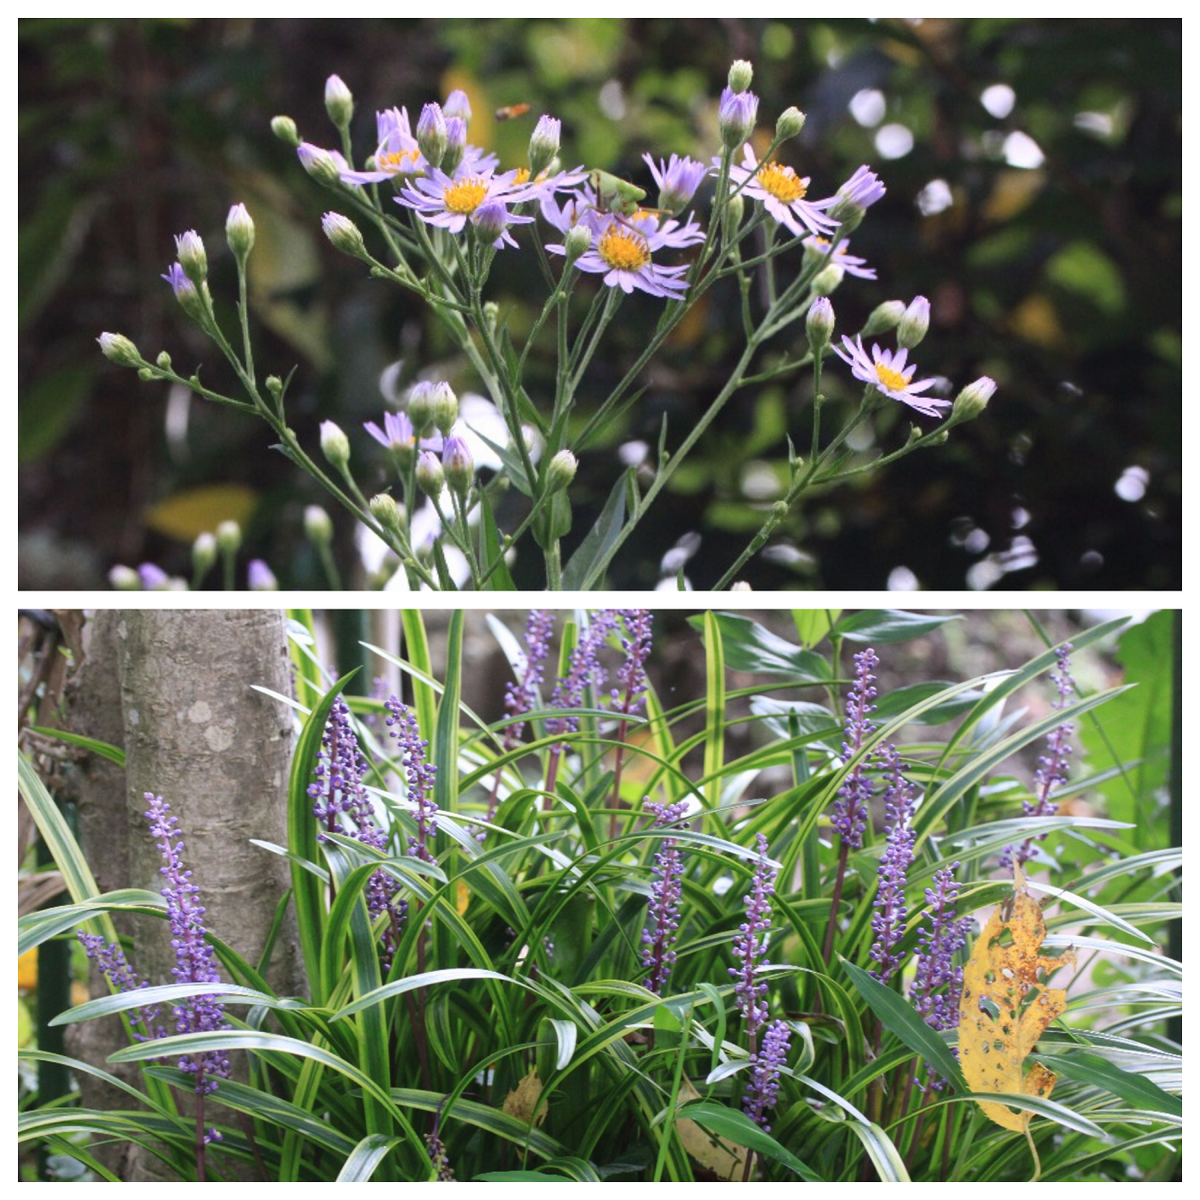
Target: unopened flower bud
[(204, 554), (124, 579), (284, 128), (260, 577), (117, 348), (229, 537), (855, 196), (491, 314), (741, 75), (736, 208), (457, 107), (914, 325), (740, 586), (560, 470), (543, 144), (819, 323), (189, 249), (445, 407), (456, 144), (577, 241), (335, 446), (458, 465), (972, 400), (430, 476), (790, 122), (736, 115), (320, 164), (318, 527), (883, 317), (239, 232), (274, 386), (343, 234), (491, 219), (153, 578), (163, 361), (828, 280), (420, 407), (387, 512), (339, 103), (431, 134)]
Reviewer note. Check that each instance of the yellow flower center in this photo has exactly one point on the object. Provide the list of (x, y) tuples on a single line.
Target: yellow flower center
[(623, 249), (396, 160), (896, 380), (465, 197), (781, 182)]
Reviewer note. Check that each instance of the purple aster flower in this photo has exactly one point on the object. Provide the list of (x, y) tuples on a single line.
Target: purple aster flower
[(396, 435), (326, 166), (938, 982), (658, 955), (181, 285), (195, 961), (492, 219), (449, 202), (762, 1088), (677, 181), (750, 945), (456, 144), (622, 252), (851, 264), (857, 194), (396, 152), (885, 371), (153, 578), (854, 796), (419, 774), (1054, 766), (457, 106), (584, 669), (891, 912), (782, 193)]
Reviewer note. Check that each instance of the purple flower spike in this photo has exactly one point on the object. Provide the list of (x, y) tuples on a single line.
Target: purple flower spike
[(584, 668), (418, 772), (114, 966), (762, 1089), (891, 913), (1054, 766), (195, 961), (630, 697), (938, 982), (521, 697), (850, 810), (750, 945), (658, 955)]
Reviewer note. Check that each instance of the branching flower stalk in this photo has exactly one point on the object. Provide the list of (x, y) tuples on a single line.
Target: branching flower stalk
[(446, 215)]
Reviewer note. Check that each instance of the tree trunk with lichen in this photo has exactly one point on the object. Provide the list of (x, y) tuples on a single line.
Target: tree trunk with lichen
[(197, 733)]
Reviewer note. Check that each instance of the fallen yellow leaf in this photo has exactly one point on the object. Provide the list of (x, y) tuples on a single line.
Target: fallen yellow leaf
[(1006, 1006), (522, 1101), (723, 1159)]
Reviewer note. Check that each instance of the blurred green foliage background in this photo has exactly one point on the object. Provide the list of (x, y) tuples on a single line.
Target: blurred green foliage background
[(1034, 194)]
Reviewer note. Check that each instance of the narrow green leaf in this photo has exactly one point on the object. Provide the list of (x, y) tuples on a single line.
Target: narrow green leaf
[(734, 1125), (104, 749), (589, 560), (900, 1018), (749, 646), (1138, 1090), (714, 709), (365, 1157), (881, 1149), (881, 626)]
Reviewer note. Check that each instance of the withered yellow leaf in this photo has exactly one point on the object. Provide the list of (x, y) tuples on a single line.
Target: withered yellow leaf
[(522, 1101), (725, 1160), (1006, 1006)]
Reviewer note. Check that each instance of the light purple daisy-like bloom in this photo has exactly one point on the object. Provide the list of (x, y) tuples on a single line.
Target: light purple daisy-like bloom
[(841, 257), (449, 202), (181, 285), (859, 192), (677, 181), (888, 372), (396, 153), (397, 432), (736, 114), (782, 193)]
